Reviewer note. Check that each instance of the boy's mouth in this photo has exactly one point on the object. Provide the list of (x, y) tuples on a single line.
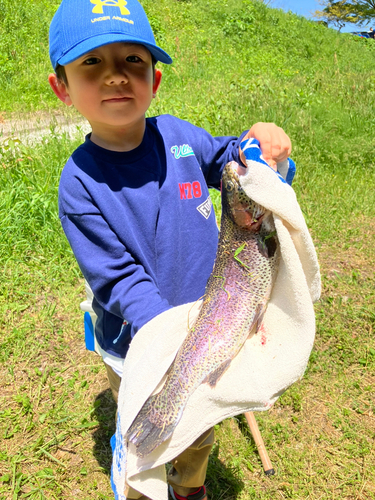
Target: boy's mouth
[(117, 99)]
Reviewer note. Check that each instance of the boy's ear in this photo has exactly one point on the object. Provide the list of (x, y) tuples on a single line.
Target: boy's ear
[(60, 89), (157, 80)]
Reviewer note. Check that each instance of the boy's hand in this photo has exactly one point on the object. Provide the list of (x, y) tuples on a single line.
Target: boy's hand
[(274, 143)]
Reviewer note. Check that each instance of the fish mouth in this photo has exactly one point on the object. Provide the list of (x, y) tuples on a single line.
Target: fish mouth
[(241, 170), (237, 170), (246, 219), (246, 213)]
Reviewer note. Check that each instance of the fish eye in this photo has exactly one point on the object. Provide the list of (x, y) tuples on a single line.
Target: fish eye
[(229, 186)]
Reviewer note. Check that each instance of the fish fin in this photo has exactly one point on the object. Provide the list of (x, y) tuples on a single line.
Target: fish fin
[(149, 429), (258, 319), (267, 245), (213, 377)]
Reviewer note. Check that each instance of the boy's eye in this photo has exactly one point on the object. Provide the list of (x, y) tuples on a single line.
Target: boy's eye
[(133, 59), (91, 60)]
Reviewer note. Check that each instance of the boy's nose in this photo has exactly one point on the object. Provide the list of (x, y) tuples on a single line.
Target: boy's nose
[(117, 79), (117, 75)]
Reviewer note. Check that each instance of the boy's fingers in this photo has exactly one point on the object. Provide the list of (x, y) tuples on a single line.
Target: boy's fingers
[(271, 163), (274, 142)]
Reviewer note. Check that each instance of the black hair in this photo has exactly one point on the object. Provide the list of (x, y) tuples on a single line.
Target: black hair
[(61, 74)]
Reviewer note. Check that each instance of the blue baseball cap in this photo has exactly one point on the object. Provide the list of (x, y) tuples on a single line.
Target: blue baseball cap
[(83, 25)]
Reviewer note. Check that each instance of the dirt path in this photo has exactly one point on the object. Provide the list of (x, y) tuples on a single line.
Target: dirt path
[(32, 127)]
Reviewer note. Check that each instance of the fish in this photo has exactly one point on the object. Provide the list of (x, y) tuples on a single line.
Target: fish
[(232, 310)]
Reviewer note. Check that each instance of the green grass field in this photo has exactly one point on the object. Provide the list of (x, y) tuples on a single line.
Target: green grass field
[(235, 63)]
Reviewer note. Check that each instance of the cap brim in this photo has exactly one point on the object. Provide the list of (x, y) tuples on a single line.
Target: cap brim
[(99, 40)]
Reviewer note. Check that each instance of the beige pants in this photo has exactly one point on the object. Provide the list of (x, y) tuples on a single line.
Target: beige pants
[(188, 471)]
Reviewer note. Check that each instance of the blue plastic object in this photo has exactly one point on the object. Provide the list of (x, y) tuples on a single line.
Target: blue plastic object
[(89, 332)]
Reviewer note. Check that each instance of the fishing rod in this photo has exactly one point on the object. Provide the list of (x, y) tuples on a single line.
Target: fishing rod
[(254, 429)]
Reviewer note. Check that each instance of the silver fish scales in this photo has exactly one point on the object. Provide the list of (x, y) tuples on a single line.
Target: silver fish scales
[(233, 307)]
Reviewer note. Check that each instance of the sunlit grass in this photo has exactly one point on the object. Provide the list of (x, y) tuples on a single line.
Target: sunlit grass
[(56, 412)]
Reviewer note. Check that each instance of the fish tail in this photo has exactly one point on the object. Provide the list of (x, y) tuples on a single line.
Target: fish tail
[(151, 427)]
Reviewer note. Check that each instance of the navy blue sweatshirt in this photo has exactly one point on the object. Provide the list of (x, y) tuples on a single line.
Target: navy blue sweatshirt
[(141, 223)]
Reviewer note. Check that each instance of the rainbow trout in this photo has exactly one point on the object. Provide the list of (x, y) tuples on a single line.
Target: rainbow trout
[(233, 307)]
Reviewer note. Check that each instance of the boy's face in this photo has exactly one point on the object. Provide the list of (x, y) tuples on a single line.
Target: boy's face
[(111, 86)]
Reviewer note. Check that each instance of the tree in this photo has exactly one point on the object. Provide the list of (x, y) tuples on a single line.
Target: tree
[(337, 13), (367, 4), (346, 11), (365, 9)]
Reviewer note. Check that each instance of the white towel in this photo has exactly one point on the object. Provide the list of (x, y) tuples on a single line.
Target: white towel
[(266, 366)]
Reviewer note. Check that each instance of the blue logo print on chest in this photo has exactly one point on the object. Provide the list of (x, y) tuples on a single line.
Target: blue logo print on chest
[(182, 151)]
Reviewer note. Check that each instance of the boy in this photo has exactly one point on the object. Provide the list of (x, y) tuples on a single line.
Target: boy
[(133, 198)]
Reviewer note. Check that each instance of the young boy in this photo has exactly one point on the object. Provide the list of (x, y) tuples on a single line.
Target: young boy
[(133, 198)]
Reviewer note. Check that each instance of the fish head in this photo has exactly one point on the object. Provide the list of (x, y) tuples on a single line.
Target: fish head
[(243, 211)]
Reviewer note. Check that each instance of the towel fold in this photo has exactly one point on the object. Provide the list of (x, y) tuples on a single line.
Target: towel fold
[(266, 366)]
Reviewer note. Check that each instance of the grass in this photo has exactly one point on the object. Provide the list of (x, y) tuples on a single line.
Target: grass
[(56, 411)]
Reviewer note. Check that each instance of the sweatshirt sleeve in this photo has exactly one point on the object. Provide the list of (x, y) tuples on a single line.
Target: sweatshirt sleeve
[(122, 286), (120, 283), (215, 152)]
